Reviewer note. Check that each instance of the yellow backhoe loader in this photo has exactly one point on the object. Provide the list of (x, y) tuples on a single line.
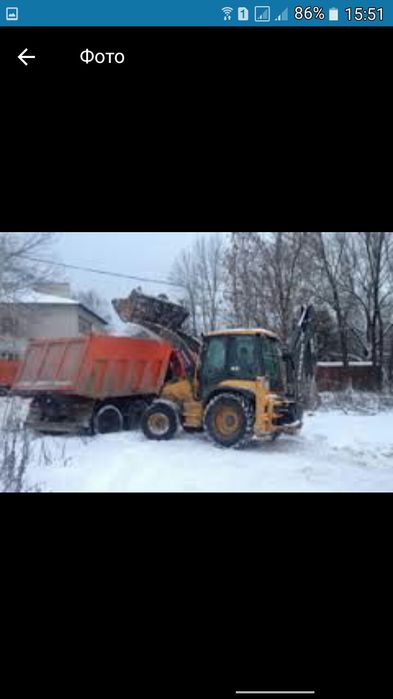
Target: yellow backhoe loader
[(236, 384)]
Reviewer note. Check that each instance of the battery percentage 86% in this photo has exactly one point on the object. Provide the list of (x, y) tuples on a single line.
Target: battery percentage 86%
[(309, 13)]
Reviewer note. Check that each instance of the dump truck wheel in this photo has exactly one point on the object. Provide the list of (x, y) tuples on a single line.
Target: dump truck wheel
[(159, 422), (108, 419), (229, 420)]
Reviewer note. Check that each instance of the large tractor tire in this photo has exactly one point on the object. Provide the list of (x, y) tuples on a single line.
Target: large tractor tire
[(108, 419), (229, 420), (160, 422)]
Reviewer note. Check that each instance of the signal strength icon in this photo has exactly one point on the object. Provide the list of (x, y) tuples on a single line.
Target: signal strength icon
[(283, 17), (227, 12)]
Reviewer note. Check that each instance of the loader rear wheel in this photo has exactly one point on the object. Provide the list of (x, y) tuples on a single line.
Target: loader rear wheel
[(159, 422), (229, 420), (108, 419)]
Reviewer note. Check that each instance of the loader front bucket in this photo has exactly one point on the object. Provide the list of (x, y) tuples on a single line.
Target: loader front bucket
[(146, 310), (164, 319)]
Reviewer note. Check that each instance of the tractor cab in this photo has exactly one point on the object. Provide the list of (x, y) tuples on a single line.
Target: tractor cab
[(242, 355)]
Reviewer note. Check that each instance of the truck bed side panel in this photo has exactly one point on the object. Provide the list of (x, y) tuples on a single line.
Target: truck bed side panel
[(95, 367)]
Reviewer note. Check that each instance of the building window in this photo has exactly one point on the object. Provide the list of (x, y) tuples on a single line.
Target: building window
[(85, 328), (10, 356)]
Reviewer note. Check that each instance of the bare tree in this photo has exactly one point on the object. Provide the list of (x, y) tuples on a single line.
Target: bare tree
[(371, 286), (266, 279), (199, 270), (331, 260), (244, 305), (286, 271), (184, 273), (209, 265), (262, 278), (18, 272), (96, 303)]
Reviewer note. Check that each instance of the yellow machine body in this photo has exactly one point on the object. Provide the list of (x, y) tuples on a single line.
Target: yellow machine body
[(184, 392)]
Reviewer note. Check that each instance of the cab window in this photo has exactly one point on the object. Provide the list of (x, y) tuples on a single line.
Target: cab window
[(272, 361), (215, 360), (242, 360)]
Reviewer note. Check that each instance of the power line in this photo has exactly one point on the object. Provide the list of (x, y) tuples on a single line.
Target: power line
[(102, 272)]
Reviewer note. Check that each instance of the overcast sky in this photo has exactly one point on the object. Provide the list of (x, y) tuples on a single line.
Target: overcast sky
[(141, 254)]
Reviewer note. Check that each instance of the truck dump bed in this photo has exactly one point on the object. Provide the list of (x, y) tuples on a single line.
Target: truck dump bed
[(95, 366)]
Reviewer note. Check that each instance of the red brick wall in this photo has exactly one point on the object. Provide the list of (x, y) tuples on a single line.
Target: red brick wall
[(335, 378)]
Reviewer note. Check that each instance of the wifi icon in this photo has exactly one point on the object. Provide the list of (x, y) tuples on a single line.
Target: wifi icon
[(227, 12)]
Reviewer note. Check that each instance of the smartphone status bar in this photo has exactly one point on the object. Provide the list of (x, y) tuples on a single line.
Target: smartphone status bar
[(204, 13)]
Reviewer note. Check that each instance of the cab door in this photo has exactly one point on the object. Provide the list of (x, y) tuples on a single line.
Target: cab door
[(214, 364)]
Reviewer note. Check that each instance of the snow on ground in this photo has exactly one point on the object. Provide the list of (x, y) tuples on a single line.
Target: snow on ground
[(334, 452)]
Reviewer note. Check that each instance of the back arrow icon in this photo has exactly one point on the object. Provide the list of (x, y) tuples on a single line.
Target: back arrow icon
[(23, 55)]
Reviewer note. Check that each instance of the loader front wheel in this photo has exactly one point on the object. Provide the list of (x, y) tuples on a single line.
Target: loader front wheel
[(159, 422), (229, 420)]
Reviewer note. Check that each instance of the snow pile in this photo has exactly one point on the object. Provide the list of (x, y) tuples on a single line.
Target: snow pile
[(134, 330), (356, 402)]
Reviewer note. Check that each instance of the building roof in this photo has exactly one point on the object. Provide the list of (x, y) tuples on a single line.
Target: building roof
[(38, 298)]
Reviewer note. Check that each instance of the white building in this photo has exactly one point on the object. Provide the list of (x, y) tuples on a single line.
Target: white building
[(36, 314)]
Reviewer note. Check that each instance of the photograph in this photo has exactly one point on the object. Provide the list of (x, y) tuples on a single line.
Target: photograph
[(196, 362)]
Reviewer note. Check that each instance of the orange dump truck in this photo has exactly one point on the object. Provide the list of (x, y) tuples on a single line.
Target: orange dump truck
[(94, 384)]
